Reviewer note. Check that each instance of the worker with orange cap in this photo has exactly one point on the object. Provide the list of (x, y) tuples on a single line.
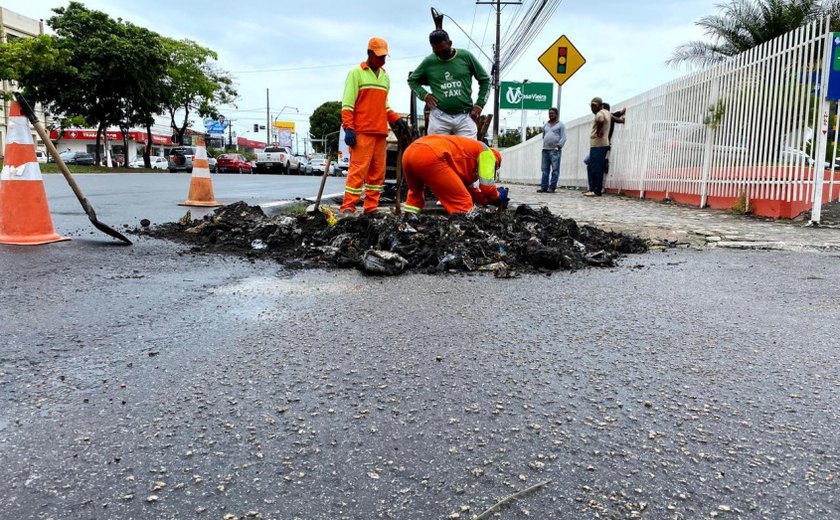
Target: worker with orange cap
[(365, 116), (459, 170)]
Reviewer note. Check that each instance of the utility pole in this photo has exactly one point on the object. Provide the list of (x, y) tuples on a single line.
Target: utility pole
[(267, 120), (523, 134), (497, 68)]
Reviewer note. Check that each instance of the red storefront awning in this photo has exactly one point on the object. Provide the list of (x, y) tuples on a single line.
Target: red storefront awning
[(90, 135), (248, 143)]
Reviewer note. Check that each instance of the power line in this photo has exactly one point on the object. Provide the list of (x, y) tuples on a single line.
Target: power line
[(486, 26), (313, 67), (535, 19), (472, 26), (511, 23)]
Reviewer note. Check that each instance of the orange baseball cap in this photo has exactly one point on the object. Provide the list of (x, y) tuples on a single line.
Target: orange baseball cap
[(378, 46)]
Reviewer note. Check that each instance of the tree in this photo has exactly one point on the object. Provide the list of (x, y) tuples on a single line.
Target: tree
[(513, 136), (194, 83), (93, 71), (147, 92), (22, 57), (744, 24), (103, 72), (96, 80), (325, 120)]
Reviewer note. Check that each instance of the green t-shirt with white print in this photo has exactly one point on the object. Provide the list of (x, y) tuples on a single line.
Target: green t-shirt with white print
[(451, 81)]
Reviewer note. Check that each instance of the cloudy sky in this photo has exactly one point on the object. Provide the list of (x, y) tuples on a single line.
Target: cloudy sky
[(301, 50)]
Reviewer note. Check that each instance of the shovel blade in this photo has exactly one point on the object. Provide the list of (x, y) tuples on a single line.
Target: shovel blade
[(110, 231)]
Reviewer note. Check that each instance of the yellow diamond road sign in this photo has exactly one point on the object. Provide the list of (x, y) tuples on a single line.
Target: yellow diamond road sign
[(562, 59)]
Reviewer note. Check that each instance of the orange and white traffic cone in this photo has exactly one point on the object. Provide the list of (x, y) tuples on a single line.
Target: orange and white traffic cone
[(24, 213), (201, 185)]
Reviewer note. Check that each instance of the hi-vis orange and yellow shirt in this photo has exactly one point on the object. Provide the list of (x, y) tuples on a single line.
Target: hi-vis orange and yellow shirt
[(364, 107)]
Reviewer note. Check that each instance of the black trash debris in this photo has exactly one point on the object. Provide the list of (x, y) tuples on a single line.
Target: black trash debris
[(509, 243), (383, 262)]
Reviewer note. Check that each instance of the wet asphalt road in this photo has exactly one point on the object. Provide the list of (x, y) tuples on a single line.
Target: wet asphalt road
[(150, 382), (120, 199)]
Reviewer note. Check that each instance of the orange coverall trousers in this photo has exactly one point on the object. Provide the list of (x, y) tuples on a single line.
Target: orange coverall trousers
[(366, 173), (423, 167)]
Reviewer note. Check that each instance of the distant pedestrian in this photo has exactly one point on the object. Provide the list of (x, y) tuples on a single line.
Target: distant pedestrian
[(365, 115), (599, 144), (449, 72), (616, 117), (554, 137)]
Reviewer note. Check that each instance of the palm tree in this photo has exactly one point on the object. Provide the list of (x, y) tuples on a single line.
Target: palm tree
[(744, 24)]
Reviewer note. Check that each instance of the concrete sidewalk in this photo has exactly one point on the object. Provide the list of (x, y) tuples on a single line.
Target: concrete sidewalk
[(681, 224)]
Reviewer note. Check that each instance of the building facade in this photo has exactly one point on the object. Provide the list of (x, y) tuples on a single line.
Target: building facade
[(14, 25), (84, 140)]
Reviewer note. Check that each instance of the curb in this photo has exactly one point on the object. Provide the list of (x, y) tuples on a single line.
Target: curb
[(299, 200)]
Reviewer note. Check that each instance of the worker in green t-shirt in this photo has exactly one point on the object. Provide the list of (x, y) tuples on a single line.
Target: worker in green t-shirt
[(449, 73)]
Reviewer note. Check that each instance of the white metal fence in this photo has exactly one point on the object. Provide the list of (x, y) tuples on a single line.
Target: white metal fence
[(741, 129)]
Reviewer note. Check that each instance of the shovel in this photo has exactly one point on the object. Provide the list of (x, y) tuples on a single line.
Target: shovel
[(42, 133), (323, 183)]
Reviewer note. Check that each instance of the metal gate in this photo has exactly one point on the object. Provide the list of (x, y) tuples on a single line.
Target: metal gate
[(753, 129)]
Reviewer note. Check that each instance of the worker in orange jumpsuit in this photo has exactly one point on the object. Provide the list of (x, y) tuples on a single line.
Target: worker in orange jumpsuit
[(459, 170), (365, 116)]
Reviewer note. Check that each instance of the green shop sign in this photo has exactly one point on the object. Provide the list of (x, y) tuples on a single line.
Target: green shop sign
[(526, 96)]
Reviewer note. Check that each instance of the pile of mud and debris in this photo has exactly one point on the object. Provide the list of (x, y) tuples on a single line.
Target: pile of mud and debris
[(507, 243)]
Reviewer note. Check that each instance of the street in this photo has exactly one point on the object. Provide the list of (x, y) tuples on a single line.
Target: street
[(126, 198), (154, 382)]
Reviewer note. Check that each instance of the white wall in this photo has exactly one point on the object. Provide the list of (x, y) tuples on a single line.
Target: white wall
[(523, 163)]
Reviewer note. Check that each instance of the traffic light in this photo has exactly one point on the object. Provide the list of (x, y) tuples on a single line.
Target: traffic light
[(256, 127), (562, 59)]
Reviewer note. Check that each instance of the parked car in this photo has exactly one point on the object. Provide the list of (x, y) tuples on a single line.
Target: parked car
[(41, 155), (305, 166), (344, 163), (233, 162), (302, 161), (319, 162), (683, 144), (157, 163), (277, 158), (795, 156), (211, 164), (78, 158), (181, 159)]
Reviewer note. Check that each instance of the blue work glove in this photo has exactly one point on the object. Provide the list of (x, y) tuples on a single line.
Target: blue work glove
[(401, 127), (503, 198), (350, 137)]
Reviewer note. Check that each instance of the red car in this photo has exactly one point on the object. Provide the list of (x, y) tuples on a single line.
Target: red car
[(232, 162)]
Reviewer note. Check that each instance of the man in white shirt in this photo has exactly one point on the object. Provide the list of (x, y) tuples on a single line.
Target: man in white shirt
[(554, 137)]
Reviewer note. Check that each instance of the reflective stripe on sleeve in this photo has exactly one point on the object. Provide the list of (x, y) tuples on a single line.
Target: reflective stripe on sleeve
[(364, 86)]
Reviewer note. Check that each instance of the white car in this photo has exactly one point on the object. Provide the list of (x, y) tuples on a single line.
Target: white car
[(157, 163), (319, 162), (42, 156)]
